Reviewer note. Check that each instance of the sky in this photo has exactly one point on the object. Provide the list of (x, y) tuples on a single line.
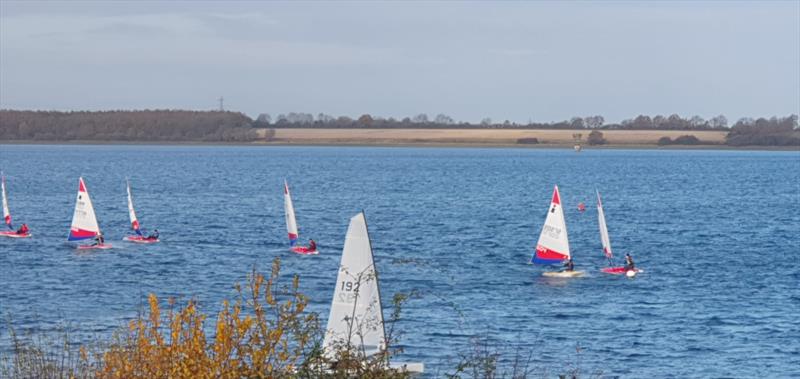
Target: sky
[(517, 61)]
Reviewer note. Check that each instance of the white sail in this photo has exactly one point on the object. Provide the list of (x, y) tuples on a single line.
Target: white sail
[(84, 221), (356, 317), (553, 244), (601, 220), (291, 223), (131, 211), (6, 213)]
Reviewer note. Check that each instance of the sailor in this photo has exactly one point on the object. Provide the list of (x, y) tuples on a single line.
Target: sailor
[(153, 235), (23, 229), (312, 246), (629, 262), (569, 266), (98, 239)]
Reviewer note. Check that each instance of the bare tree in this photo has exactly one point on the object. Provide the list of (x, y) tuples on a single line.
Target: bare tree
[(594, 122), (443, 119), (420, 118), (719, 122)]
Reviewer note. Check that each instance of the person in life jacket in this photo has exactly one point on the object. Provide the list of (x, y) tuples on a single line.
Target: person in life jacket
[(98, 239), (312, 246), (23, 229), (569, 266), (629, 265), (153, 235)]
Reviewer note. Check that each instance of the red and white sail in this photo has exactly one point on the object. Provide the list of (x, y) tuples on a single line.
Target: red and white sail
[(291, 222), (6, 213), (84, 222), (601, 220), (553, 244), (132, 212)]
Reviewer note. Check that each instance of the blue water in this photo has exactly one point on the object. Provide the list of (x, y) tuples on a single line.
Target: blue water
[(718, 233)]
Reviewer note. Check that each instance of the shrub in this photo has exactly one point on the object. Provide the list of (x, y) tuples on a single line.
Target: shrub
[(682, 140), (528, 141), (264, 333), (596, 138), (686, 140)]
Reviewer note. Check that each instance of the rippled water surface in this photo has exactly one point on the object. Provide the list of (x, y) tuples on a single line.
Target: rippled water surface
[(718, 233)]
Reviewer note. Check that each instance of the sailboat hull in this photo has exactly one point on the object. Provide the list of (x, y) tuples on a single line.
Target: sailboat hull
[(140, 239), (619, 270), (103, 246), (563, 274), (303, 250), (408, 367), (13, 234)]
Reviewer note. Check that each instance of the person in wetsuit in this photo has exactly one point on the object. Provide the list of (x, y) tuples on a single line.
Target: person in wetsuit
[(99, 240), (569, 266)]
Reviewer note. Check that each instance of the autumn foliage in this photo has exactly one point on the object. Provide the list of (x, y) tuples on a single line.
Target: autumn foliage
[(264, 333)]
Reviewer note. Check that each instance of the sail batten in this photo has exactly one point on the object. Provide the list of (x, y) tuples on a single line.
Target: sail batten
[(553, 244), (291, 222), (84, 221), (356, 317)]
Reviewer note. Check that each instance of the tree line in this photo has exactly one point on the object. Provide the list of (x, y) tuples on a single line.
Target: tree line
[(219, 126), (144, 125), (443, 121)]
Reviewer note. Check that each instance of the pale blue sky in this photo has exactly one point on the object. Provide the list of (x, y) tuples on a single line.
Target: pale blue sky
[(505, 60)]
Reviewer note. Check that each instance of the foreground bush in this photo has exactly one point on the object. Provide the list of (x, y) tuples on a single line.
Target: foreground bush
[(264, 333)]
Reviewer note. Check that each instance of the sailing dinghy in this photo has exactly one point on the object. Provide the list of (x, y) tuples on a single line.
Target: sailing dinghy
[(84, 222), (139, 237), (356, 319), (606, 241), (553, 245), (291, 225), (11, 233)]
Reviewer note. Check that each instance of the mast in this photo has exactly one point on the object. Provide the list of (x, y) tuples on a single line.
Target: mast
[(377, 282)]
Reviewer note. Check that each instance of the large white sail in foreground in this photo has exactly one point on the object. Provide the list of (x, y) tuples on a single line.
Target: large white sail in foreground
[(356, 317)]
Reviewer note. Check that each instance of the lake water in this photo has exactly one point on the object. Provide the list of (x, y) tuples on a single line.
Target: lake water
[(718, 233)]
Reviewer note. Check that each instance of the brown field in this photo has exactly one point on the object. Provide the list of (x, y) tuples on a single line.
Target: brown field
[(474, 136)]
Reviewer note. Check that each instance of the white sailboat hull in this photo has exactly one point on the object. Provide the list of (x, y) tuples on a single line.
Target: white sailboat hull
[(411, 368), (563, 274)]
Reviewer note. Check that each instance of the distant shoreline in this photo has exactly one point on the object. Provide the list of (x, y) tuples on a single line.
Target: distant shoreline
[(399, 144), (489, 138)]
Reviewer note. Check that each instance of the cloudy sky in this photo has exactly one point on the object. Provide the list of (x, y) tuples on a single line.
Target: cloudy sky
[(520, 61)]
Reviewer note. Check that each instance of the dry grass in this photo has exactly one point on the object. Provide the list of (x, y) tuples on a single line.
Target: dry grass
[(475, 136)]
